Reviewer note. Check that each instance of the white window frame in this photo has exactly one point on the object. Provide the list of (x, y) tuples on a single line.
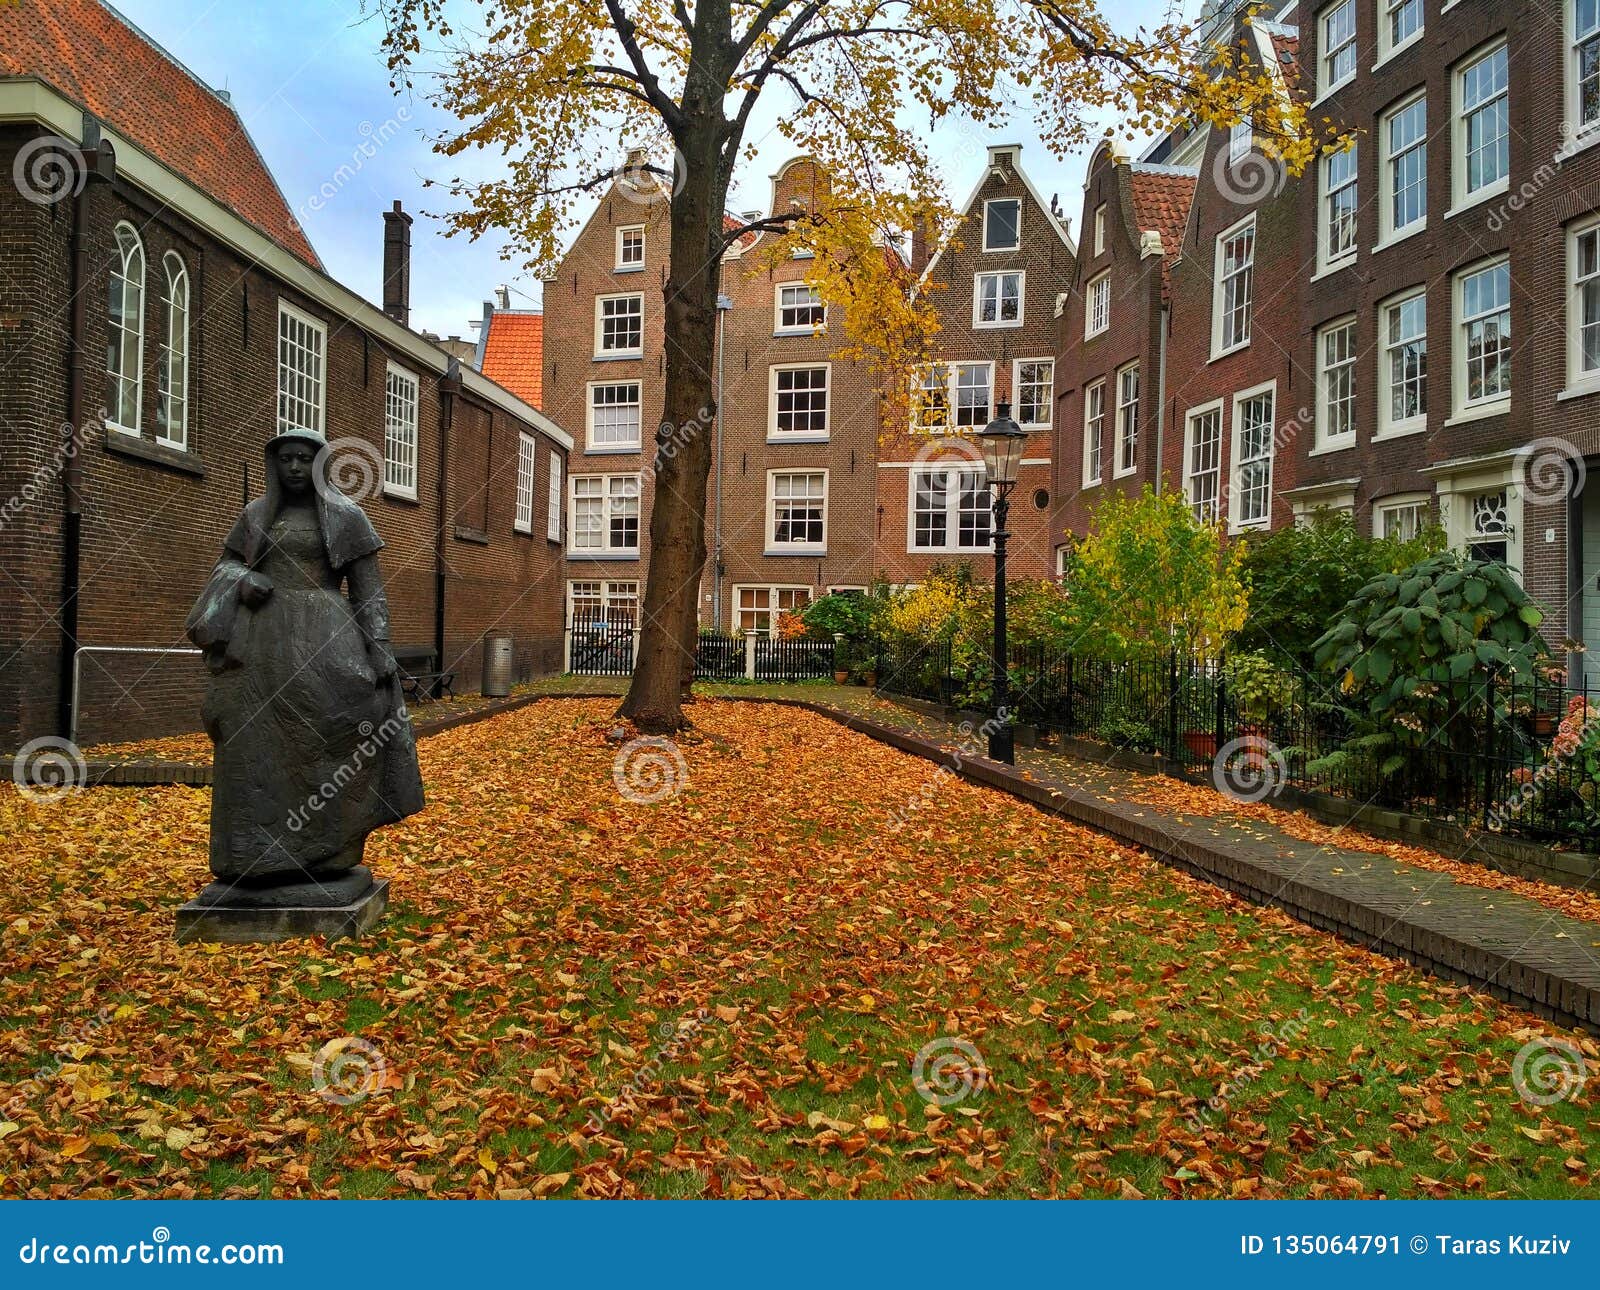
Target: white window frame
[(772, 609), (1094, 432), (975, 420), (1388, 46), (952, 472), (590, 446), (921, 404), (1097, 300), (1219, 289), (1241, 140), (1212, 506), (999, 275), (1461, 196), (1464, 407), (995, 201), (314, 391), (172, 386), (1583, 132), (1327, 259), (1121, 435), (1396, 502), (1016, 391), (780, 328), (1236, 462), (552, 524), (622, 264), (1388, 230), (774, 434), (128, 281), (1388, 426), (609, 497), (1581, 379), (527, 466), (610, 593), (1326, 85), (1100, 229), (402, 397), (773, 546), (601, 351), (1326, 441)]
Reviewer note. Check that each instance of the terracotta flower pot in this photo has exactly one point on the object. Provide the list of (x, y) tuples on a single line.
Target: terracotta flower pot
[(1202, 744), (842, 676)]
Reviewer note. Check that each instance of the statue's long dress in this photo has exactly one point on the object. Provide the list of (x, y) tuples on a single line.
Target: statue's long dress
[(311, 754)]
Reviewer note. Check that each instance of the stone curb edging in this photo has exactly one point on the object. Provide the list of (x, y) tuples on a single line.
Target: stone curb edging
[(118, 774)]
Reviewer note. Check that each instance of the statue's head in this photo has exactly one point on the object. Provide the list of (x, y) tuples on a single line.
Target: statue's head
[(293, 455)]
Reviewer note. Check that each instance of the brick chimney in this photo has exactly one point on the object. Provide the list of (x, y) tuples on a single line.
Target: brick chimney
[(397, 265)]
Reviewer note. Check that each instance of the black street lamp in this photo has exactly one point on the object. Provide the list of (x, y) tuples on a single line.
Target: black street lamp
[(1001, 441)]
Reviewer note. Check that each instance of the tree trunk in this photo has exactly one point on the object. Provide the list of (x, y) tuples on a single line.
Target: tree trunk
[(670, 620)]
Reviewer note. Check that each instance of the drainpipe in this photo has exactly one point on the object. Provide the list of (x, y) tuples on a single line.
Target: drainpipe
[(449, 388), (97, 163), (724, 303), (1161, 395)]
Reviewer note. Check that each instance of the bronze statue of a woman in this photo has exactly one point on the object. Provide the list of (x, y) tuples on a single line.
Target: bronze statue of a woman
[(314, 747)]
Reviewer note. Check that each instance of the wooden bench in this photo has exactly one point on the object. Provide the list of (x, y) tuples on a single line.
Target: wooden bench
[(417, 666)]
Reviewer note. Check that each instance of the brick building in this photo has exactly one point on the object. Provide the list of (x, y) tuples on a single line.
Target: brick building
[(1114, 326), (1447, 312), (1232, 382), (163, 316), (995, 282)]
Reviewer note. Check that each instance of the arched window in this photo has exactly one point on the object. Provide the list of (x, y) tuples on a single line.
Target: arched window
[(125, 333), (172, 401)]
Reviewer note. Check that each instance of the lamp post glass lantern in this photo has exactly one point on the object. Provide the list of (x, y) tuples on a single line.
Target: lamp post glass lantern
[(1002, 441)]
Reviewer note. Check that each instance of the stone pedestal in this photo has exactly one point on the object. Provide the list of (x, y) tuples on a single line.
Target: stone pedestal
[(346, 906)]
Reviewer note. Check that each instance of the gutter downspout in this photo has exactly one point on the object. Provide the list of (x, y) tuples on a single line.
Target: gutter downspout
[(449, 389), (724, 303), (96, 163), (1161, 396)]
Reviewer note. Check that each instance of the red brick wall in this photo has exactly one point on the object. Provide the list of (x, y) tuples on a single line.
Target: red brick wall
[(1132, 336), (153, 528)]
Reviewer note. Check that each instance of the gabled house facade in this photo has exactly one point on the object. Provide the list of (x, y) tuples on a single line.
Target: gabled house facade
[(1233, 387), (1112, 329), (995, 282)]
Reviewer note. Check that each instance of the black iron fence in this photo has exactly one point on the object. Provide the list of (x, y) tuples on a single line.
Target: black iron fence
[(599, 646), (1497, 751)]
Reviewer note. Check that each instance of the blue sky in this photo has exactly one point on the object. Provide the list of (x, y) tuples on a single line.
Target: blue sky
[(311, 86)]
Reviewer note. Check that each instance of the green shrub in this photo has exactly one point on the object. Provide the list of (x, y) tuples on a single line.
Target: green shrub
[(1298, 574), (1414, 651)]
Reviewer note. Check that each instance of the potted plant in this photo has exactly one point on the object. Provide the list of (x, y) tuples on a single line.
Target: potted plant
[(1261, 690)]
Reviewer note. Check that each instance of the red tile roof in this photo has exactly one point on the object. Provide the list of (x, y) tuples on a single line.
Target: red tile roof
[(1161, 201), (1287, 48), (91, 55), (513, 355)]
